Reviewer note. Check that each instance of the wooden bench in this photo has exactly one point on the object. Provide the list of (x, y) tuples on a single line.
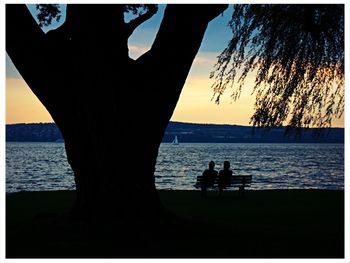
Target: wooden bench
[(240, 181)]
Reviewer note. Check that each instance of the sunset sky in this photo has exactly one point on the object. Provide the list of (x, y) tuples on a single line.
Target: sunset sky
[(195, 104)]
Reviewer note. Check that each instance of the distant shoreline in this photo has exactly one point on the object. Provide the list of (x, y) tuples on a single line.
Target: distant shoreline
[(194, 133)]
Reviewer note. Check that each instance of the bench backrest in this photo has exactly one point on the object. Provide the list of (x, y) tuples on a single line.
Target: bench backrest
[(235, 179), (241, 179)]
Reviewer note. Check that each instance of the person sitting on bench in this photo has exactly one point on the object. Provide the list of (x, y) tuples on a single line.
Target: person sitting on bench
[(225, 176), (209, 176)]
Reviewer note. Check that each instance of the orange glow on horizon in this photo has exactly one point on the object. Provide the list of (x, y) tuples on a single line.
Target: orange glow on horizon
[(22, 106)]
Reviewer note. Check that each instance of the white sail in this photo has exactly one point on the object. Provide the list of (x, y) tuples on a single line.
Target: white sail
[(175, 141)]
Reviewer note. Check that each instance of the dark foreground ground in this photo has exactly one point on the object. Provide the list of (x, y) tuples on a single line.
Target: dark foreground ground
[(262, 224)]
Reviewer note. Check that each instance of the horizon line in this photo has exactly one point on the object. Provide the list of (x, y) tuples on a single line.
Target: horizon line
[(195, 123)]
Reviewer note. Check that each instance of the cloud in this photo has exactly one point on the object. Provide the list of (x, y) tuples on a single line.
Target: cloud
[(136, 51), (205, 59)]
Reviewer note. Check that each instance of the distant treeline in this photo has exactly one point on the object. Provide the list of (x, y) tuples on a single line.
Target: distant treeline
[(190, 132)]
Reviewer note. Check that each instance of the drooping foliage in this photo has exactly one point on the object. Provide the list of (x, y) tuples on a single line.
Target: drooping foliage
[(296, 53)]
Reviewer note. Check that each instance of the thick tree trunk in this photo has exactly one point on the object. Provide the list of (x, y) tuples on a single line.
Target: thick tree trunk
[(111, 110)]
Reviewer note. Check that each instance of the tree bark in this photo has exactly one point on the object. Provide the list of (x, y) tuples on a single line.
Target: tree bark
[(112, 111)]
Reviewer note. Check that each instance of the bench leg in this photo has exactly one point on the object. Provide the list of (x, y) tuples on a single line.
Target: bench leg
[(203, 191), (220, 190), (241, 190)]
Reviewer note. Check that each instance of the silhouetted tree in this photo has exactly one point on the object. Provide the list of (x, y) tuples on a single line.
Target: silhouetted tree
[(101, 99), (96, 94), (297, 55)]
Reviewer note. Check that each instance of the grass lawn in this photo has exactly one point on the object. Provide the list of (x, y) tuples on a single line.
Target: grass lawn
[(262, 224)]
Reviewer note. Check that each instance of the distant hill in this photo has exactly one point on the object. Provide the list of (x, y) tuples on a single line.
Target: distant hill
[(34, 132), (191, 132)]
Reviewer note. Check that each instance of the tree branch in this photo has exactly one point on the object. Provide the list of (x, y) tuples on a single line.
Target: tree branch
[(173, 51), (26, 45), (90, 19), (98, 29), (178, 40), (40, 60), (133, 24)]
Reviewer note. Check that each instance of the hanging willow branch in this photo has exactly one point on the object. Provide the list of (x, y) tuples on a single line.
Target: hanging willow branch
[(297, 54)]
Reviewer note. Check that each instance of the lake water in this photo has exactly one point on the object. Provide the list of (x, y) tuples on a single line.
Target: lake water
[(43, 166)]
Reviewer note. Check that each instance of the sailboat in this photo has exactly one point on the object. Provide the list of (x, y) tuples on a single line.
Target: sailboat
[(175, 141)]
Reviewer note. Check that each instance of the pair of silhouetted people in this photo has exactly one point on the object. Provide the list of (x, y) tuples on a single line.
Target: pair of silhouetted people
[(210, 175)]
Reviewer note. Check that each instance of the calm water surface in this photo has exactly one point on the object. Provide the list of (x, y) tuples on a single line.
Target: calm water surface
[(43, 166)]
